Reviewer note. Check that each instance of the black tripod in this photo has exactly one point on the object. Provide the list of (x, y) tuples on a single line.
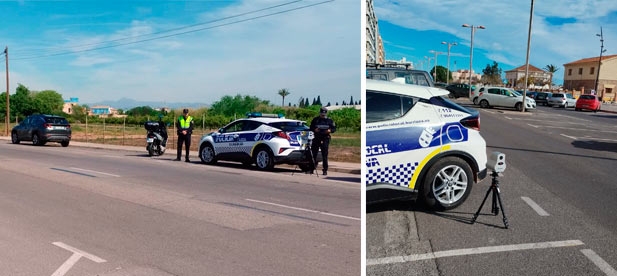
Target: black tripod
[(308, 154), (496, 198)]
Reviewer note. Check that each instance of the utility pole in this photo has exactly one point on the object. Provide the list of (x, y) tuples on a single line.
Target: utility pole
[(8, 110), (601, 35)]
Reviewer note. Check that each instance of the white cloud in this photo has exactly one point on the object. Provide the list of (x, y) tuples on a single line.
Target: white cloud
[(311, 52), (505, 37)]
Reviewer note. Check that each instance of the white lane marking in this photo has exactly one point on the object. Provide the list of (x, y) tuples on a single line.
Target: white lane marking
[(85, 170), (535, 206), (589, 138), (471, 251), (302, 209), (77, 254), (599, 262), (578, 129)]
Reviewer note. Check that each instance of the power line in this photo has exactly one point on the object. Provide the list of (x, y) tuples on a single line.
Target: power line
[(176, 34), (183, 27)]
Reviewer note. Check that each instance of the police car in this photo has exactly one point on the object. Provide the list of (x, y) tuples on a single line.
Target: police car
[(260, 139), (421, 145)]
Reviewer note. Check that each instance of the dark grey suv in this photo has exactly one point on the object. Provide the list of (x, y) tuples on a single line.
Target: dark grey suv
[(41, 129)]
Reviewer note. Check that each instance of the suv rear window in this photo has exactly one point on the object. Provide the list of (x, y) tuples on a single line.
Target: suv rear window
[(56, 120), (588, 97), (290, 126)]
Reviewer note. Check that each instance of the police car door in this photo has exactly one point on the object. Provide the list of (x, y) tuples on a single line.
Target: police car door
[(402, 133)]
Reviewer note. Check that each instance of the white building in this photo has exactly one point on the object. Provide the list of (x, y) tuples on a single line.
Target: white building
[(374, 44)]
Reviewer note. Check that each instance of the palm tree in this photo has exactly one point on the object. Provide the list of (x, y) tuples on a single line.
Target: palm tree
[(284, 92), (551, 69)]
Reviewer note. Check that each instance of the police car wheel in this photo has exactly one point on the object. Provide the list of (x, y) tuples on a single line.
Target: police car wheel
[(206, 154), (264, 159), (447, 183)]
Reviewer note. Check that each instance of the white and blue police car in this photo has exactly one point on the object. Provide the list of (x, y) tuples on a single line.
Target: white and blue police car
[(421, 145), (260, 139)]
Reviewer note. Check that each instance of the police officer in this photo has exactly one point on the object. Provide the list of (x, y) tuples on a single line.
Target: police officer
[(185, 129), (322, 126)]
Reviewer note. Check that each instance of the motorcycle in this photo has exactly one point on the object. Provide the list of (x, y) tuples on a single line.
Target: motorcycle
[(156, 138)]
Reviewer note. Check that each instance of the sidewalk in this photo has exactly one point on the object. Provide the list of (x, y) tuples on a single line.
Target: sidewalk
[(609, 108), (343, 167)]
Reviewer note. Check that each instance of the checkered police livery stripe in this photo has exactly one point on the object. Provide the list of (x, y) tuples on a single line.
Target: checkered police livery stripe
[(399, 175), (226, 149)]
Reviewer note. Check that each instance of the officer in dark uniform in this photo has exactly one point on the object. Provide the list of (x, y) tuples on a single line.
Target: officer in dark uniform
[(185, 129), (322, 126)]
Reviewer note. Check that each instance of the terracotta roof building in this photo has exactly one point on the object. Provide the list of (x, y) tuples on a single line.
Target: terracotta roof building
[(582, 74), (537, 77)]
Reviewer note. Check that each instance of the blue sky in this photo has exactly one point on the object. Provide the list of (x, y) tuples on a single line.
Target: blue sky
[(562, 31), (107, 50)]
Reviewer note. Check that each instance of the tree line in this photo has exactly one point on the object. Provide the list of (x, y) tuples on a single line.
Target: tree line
[(492, 75), (25, 102)]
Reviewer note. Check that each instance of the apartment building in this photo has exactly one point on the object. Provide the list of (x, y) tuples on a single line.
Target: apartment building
[(374, 44)]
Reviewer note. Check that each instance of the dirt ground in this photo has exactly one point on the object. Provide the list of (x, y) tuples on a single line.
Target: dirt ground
[(337, 153)]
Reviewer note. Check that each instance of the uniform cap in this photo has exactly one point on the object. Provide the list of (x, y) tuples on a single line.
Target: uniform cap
[(323, 110)]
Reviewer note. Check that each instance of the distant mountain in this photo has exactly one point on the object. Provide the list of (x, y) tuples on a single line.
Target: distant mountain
[(126, 104)]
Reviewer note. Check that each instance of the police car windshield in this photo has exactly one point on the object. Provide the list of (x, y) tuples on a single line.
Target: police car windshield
[(290, 126), (441, 101)]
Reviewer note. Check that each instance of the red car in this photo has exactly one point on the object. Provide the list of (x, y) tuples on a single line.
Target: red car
[(590, 102)]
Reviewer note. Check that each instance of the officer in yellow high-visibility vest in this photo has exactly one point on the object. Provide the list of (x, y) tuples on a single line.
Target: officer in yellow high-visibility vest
[(185, 129)]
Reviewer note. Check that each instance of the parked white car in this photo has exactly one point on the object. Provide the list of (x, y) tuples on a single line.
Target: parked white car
[(564, 100), (504, 97)]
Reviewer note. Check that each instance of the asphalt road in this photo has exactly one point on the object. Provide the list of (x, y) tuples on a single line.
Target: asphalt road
[(559, 197), (81, 211)]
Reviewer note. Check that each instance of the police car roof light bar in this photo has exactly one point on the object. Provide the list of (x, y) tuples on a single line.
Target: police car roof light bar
[(264, 115)]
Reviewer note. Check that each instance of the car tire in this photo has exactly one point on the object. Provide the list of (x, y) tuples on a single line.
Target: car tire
[(36, 140), (14, 138), (448, 193), (64, 143), (518, 107), (565, 105), (207, 155), (264, 159), (484, 104)]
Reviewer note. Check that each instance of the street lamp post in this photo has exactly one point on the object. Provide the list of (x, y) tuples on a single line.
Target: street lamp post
[(601, 35), (435, 67), (449, 46), (527, 58), (428, 64), (473, 30)]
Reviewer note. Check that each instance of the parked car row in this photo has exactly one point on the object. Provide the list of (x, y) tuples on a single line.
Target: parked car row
[(488, 97)]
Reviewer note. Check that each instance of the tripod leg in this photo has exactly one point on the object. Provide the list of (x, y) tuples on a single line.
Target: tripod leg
[(505, 219), (495, 194), (475, 216)]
